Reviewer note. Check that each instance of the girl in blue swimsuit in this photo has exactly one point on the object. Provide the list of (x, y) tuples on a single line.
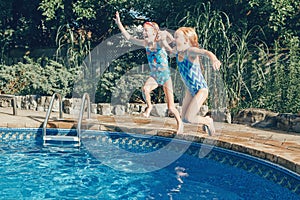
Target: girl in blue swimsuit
[(159, 66), (187, 53)]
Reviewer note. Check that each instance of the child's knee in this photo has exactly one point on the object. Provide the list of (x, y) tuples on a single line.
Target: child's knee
[(146, 89)]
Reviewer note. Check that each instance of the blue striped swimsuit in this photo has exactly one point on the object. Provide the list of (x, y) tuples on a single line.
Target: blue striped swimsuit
[(191, 74), (159, 65)]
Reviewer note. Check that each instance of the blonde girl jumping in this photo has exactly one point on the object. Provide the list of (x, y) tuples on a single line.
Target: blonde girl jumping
[(159, 66), (187, 54)]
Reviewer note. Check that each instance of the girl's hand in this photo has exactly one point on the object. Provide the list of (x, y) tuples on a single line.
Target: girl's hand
[(117, 19), (216, 64), (162, 36)]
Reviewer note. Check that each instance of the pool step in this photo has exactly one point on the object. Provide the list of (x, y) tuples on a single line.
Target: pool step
[(61, 138), (85, 105)]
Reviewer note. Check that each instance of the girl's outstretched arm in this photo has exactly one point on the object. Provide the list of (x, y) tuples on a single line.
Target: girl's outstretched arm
[(126, 34), (169, 37), (194, 51), (165, 38)]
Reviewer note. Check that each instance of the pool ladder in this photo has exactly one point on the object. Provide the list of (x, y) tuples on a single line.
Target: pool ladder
[(66, 138)]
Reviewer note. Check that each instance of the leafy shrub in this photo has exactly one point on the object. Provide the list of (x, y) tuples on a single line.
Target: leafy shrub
[(32, 78)]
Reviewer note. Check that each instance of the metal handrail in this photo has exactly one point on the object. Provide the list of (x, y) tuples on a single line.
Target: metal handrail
[(50, 110), (85, 98)]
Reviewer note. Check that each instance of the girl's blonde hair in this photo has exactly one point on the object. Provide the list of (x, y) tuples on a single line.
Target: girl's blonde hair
[(153, 25), (190, 34)]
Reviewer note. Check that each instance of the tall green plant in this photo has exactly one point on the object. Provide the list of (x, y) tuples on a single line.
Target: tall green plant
[(274, 93), (256, 76), (72, 45), (283, 89), (243, 76), (293, 94)]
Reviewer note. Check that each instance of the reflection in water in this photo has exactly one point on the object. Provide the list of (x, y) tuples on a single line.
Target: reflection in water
[(180, 173)]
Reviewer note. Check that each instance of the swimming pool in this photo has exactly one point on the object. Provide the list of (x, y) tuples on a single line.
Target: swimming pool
[(97, 170)]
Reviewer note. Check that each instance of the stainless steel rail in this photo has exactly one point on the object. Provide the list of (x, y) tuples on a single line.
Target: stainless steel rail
[(54, 96), (85, 99)]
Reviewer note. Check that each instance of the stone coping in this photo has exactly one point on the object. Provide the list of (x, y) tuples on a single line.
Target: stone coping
[(282, 148), (279, 148)]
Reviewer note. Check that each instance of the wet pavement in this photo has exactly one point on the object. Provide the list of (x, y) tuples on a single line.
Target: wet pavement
[(276, 146)]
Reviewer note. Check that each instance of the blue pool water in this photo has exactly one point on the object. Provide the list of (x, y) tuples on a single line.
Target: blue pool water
[(100, 169)]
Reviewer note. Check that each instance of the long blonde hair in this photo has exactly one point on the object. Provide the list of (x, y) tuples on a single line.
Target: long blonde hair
[(190, 34), (152, 24)]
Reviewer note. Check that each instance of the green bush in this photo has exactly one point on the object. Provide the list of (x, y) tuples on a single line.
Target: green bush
[(281, 91), (32, 78)]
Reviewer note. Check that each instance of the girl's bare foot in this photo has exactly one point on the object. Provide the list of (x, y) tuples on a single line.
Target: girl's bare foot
[(147, 112), (210, 128), (179, 128)]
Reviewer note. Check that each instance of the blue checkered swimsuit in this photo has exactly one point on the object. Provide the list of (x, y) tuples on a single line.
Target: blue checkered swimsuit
[(159, 65), (191, 74)]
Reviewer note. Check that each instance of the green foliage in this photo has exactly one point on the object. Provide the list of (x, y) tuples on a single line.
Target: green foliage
[(279, 11), (293, 94), (5, 38), (281, 93), (31, 78), (83, 9), (87, 15), (21, 28), (118, 81), (128, 88), (253, 75), (279, 18), (5, 32), (244, 74), (51, 8), (72, 45)]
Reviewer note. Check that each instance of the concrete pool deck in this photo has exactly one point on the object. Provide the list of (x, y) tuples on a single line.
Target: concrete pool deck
[(276, 146)]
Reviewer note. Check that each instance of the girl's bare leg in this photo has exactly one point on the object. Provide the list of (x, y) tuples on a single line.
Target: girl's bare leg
[(149, 85), (168, 90), (193, 108), (186, 100)]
